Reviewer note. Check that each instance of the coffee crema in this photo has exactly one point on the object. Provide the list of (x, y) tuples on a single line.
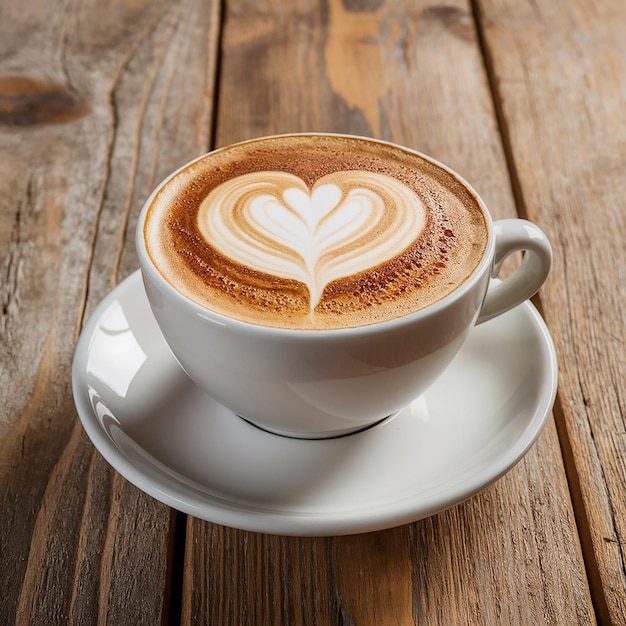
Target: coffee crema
[(314, 232)]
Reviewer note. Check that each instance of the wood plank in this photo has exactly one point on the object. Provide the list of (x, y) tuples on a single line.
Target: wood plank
[(560, 70), (413, 73), (93, 109)]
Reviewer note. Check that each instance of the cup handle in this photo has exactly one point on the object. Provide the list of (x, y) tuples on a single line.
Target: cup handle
[(513, 235)]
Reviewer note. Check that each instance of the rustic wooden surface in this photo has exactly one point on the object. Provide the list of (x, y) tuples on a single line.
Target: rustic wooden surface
[(559, 70), (93, 109), (98, 103)]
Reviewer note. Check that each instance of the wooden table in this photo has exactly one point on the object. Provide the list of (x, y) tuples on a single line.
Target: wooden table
[(99, 101)]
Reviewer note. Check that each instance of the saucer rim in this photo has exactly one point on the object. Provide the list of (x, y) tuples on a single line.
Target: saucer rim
[(328, 523)]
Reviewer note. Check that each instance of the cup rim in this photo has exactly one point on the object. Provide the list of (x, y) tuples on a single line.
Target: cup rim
[(147, 265)]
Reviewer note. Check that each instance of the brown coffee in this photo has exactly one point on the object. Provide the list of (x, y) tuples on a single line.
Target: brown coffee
[(315, 232)]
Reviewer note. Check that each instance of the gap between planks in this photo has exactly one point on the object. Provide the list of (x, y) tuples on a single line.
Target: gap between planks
[(176, 566), (582, 523)]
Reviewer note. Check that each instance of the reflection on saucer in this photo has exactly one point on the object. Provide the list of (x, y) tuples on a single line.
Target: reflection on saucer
[(113, 341)]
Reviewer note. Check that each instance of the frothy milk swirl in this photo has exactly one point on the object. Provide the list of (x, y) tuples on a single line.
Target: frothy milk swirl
[(346, 223)]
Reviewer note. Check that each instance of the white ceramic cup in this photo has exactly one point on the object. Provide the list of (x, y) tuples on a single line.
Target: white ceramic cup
[(328, 383)]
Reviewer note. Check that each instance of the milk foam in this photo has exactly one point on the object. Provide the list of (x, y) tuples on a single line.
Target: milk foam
[(348, 222), (314, 232)]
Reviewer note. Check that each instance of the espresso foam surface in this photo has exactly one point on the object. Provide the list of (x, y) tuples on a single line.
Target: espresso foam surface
[(314, 232)]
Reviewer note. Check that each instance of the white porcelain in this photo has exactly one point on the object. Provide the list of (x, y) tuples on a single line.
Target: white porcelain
[(316, 384), (165, 435)]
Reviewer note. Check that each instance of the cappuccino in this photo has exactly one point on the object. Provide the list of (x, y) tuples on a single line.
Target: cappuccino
[(315, 232)]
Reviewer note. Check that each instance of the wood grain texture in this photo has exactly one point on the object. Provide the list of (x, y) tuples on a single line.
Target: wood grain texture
[(92, 105), (560, 71), (411, 72), (97, 103)]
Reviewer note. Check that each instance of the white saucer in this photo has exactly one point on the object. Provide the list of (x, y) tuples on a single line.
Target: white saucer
[(177, 444)]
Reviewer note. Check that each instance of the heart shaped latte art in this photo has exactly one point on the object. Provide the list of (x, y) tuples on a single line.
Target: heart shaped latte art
[(348, 222)]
